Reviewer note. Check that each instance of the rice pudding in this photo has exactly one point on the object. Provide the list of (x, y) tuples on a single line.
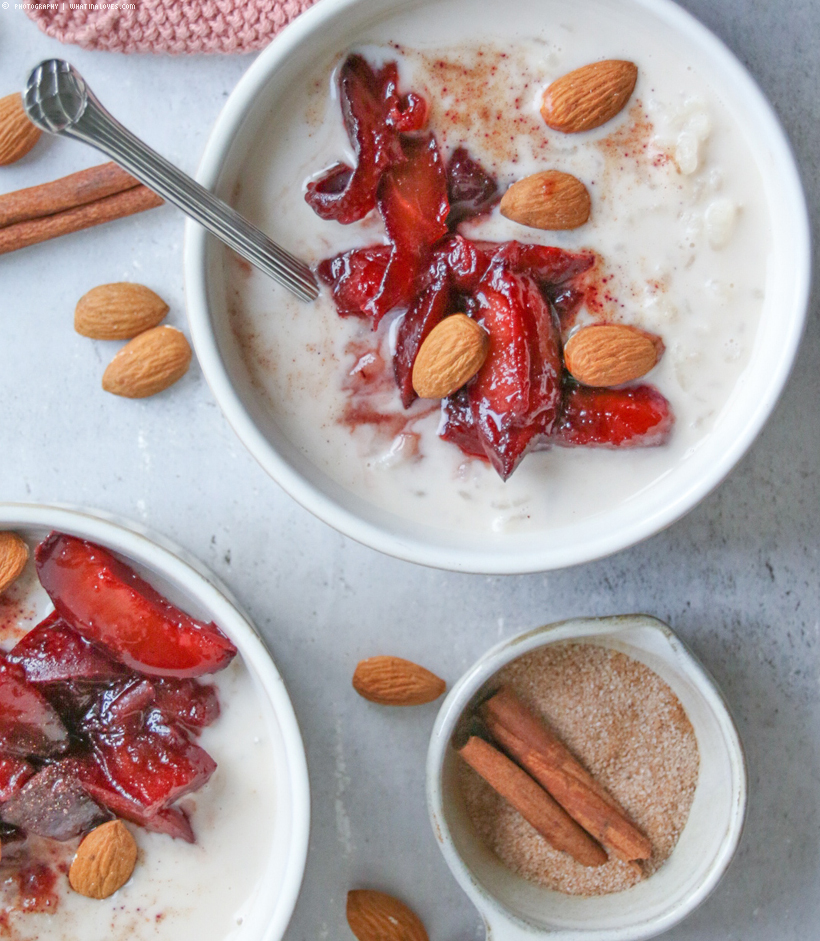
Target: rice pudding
[(678, 219), (178, 889)]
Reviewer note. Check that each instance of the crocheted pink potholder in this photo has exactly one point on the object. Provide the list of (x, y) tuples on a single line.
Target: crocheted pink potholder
[(168, 25)]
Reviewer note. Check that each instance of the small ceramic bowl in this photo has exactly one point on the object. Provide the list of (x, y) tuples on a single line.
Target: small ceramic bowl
[(326, 30), (187, 583), (516, 910)]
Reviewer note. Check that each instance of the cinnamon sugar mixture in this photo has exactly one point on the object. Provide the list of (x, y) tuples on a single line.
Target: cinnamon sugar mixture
[(627, 727)]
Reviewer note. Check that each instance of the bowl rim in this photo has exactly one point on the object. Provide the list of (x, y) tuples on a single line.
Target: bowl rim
[(142, 545), (578, 630), (504, 559)]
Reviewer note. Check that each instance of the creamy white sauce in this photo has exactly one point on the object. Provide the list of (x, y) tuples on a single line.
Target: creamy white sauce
[(677, 214)]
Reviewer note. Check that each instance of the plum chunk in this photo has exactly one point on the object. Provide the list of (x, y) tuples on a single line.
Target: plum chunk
[(355, 278), (637, 416), (412, 200), (109, 604), (373, 115), (151, 762), (54, 651), (458, 424), (188, 703), (29, 725), (470, 188), (514, 400), (546, 264), (429, 307), (172, 821), (54, 804), (14, 772)]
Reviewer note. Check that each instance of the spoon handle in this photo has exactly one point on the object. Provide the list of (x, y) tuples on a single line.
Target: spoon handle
[(58, 100)]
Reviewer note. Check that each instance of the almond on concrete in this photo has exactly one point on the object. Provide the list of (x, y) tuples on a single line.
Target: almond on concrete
[(391, 681), (375, 916), (151, 362), (13, 558), (590, 96), (547, 200), (118, 311), (451, 355), (104, 862), (17, 134), (609, 354)]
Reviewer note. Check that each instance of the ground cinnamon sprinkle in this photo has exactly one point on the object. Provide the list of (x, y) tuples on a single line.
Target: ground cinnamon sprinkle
[(627, 727)]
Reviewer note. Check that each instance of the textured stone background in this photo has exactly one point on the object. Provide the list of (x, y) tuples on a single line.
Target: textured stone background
[(737, 578)]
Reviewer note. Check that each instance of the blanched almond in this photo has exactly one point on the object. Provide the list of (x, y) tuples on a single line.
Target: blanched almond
[(104, 862), (17, 134), (547, 200), (148, 364), (609, 354), (375, 916), (590, 96), (451, 355), (118, 311), (391, 681), (13, 558)]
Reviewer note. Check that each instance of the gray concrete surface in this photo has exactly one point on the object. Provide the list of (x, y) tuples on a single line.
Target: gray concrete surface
[(737, 578)]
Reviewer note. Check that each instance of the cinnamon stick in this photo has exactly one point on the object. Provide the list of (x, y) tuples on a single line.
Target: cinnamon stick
[(535, 747), (76, 189), (126, 203), (531, 801)]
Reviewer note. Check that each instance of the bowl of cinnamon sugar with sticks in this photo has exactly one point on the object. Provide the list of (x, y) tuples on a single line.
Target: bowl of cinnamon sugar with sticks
[(585, 781)]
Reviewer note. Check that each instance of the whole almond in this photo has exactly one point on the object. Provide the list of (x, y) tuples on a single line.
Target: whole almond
[(609, 354), (375, 916), (17, 134), (452, 354), (148, 364), (118, 311), (391, 681), (547, 200), (13, 558), (590, 96), (104, 862)]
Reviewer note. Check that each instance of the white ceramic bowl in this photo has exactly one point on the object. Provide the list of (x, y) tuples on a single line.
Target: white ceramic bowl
[(516, 910), (330, 27), (188, 584)]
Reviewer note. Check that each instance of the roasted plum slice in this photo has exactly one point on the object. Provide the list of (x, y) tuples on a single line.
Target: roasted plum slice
[(458, 425), (501, 391), (108, 603), (355, 277), (633, 417), (54, 804), (172, 821), (150, 761), (429, 307), (14, 772), (515, 397), (373, 113), (117, 702), (54, 651), (412, 200), (465, 261), (546, 264), (471, 190), (188, 703), (29, 725)]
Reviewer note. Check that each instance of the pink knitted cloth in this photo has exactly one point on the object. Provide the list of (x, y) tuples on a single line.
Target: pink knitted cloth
[(168, 25)]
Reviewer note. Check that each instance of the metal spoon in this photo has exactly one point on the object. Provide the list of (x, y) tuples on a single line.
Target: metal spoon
[(58, 100)]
